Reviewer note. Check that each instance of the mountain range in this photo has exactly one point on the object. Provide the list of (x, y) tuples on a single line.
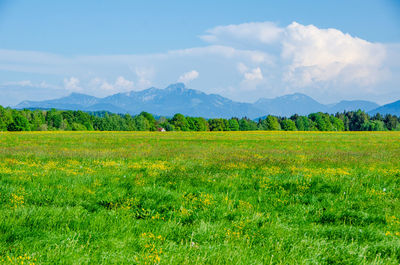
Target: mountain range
[(177, 98)]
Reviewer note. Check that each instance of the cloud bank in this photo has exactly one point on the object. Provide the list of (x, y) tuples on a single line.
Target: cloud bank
[(310, 55), (243, 62)]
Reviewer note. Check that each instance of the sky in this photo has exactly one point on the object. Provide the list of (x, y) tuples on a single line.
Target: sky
[(243, 50)]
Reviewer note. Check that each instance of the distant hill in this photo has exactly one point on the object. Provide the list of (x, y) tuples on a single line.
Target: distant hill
[(391, 108), (349, 105), (177, 98), (290, 104), (75, 101)]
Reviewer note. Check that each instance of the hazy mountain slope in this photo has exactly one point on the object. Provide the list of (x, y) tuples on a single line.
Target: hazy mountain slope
[(290, 104), (391, 108), (350, 105), (75, 101)]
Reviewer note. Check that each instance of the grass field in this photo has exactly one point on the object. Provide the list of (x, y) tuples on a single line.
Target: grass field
[(200, 198)]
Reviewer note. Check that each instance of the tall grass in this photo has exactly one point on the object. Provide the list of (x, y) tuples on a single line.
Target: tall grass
[(200, 198)]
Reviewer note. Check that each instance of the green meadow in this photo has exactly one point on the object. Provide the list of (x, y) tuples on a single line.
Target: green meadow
[(200, 198)]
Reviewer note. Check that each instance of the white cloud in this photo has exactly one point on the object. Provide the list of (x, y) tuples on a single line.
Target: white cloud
[(124, 84), (251, 77), (323, 55), (189, 76), (72, 84), (254, 74), (224, 52), (308, 59), (101, 87), (144, 76), (105, 86), (246, 34)]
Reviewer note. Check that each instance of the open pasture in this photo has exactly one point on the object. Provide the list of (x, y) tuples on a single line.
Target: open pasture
[(200, 198)]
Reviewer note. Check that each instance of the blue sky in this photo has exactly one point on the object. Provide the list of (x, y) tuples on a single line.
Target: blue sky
[(243, 50)]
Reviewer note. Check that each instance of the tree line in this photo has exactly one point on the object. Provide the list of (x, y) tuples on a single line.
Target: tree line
[(66, 120)]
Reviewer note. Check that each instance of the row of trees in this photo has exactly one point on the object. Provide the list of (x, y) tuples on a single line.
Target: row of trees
[(43, 120)]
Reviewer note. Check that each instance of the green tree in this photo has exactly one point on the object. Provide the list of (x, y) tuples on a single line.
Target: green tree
[(357, 120), (54, 118), (141, 123), (100, 123), (130, 123), (233, 124), (376, 125), (270, 123), (303, 123), (83, 118), (167, 126), (337, 124), (68, 116), (180, 123), (192, 125), (5, 118), (78, 127), (246, 124), (391, 122), (378, 117), (288, 125), (201, 124), (37, 120), (150, 119), (20, 123), (322, 121), (217, 125)]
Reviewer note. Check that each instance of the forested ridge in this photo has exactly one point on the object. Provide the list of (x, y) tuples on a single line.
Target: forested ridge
[(66, 120)]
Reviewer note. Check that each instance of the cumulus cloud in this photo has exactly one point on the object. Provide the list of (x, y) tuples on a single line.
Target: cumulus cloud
[(102, 87), (250, 74), (72, 84), (254, 74), (251, 77), (189, 76), (122, 83), (144, 76), (309, 55), (320, 55)]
